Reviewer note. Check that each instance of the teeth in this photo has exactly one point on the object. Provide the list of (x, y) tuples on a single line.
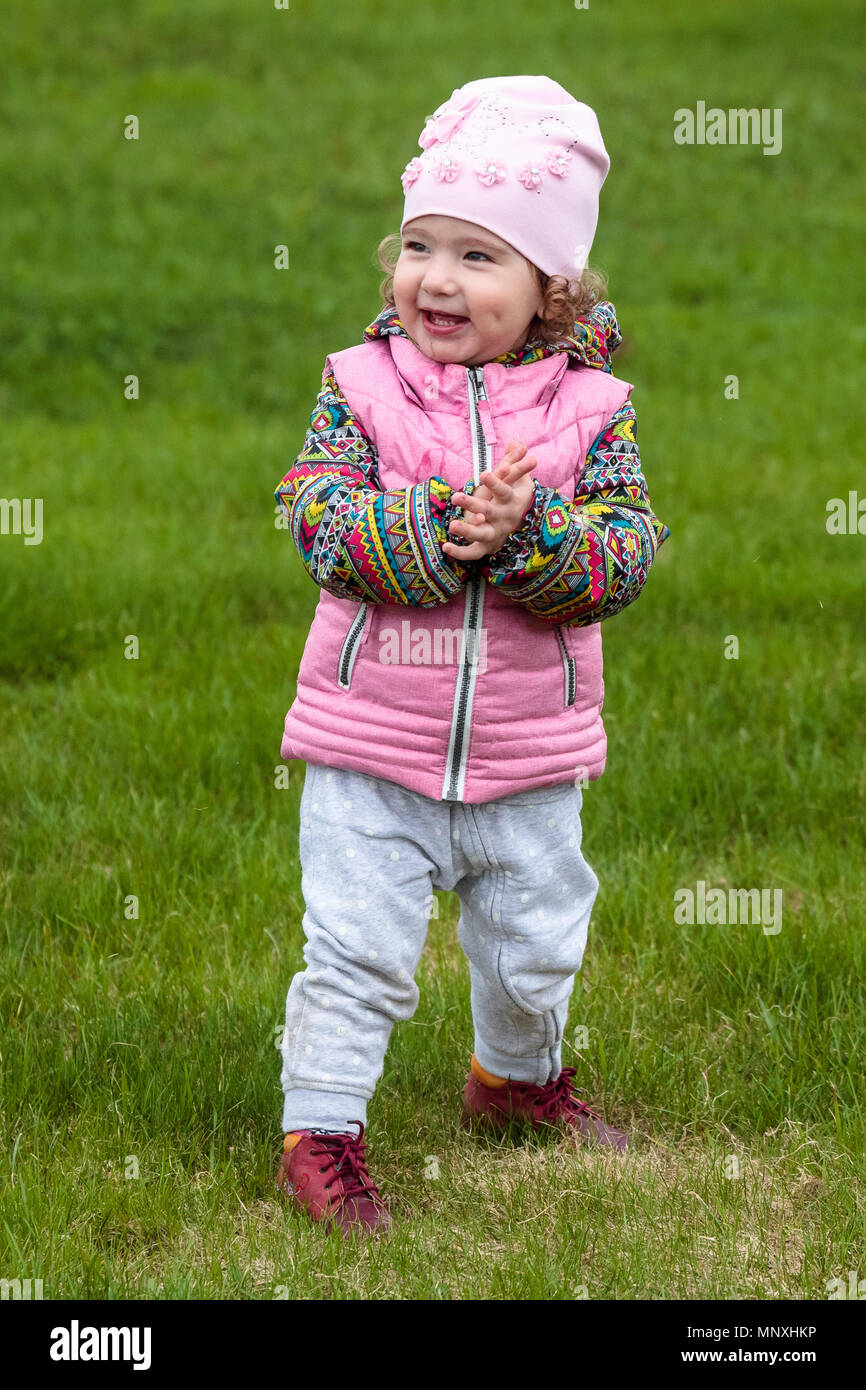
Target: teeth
[(444, 320)]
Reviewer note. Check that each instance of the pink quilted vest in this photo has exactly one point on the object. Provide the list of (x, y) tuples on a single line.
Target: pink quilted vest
[(475, 698)]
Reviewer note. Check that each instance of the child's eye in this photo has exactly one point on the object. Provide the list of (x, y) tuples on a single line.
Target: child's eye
[(420, 246)]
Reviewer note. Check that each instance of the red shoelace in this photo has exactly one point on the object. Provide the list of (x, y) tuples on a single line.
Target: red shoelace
[(347, 1154), (557, 1096)]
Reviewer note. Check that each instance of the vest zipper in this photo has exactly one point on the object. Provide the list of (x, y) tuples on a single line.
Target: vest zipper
[(454, 782), (568, 663), (350, 646)]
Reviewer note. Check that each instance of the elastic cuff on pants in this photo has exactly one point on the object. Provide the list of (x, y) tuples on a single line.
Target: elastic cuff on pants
[(312, 1109), (537, 1071)]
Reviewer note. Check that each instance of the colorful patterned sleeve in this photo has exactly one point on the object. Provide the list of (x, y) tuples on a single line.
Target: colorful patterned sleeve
[(355, 540), (580, 562)]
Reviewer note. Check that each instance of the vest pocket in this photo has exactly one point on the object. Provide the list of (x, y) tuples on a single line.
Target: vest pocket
[(351, 646), (569, 670), (584, 644)]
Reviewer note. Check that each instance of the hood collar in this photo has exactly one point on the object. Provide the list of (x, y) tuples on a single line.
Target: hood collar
[(595, 338)]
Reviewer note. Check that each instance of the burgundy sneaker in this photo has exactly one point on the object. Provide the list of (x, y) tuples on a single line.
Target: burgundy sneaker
[(541, 1106), (326, 1175)]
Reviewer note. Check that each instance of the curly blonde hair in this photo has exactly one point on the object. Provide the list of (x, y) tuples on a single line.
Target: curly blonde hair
[(564, 300)]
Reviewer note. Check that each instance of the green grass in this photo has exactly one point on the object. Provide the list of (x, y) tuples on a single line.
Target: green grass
[(153, 1037)]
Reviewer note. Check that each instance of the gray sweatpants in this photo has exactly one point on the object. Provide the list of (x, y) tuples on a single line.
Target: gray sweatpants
[(371, 853)]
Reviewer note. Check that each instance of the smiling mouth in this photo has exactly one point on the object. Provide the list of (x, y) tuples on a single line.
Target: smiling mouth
[(444, 325), (443, 320)]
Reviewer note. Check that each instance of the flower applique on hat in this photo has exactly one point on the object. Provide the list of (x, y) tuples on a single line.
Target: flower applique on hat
[(519, 156)]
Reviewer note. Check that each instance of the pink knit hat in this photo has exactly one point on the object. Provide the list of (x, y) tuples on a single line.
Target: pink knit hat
[(519, 156)]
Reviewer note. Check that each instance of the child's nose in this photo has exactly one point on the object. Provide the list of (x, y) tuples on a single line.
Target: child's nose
[(439, 278)]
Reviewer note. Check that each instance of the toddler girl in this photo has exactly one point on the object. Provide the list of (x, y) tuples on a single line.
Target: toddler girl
[(470, 500)]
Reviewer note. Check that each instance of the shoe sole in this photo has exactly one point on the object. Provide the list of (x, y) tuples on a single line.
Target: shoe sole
[(328, 1223), (473, 1120)]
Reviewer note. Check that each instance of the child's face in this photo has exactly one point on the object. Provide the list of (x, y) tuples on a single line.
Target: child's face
[(457, 268)]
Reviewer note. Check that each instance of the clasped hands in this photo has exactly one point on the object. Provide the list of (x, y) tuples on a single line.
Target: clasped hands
[(497, 506)]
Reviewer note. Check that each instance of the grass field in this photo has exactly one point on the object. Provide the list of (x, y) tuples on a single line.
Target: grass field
[(140, 1082)]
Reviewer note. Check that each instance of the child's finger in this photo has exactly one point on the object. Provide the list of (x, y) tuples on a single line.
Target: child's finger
[(515, 447), (514, 451), (513, 464), (465, 500), (465, 552), (517, 470), (472, 517), (461, 526), (498, 484), (513, 459), (524, 465)]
